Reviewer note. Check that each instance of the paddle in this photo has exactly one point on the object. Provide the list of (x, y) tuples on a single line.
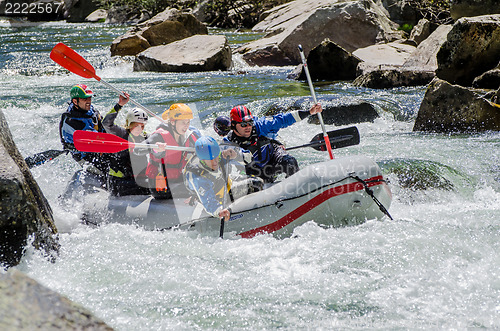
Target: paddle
[(311, 88), (337, 139), (74, 62), (99, 142), (224, 197), (42, 157)]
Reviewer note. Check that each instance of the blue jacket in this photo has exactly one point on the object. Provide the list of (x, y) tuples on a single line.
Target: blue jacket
[(75, 119), (211, 187)]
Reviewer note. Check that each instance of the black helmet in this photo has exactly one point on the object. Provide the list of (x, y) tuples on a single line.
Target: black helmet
[(222, 125)]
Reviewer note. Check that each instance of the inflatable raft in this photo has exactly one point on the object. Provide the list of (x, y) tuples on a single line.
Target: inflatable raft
[(334, 193)]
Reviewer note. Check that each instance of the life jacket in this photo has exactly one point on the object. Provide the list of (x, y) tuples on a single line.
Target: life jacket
[(171, 165), (77, 119), (261, 147)]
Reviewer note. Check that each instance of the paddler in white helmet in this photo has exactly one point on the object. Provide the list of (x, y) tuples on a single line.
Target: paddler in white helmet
[(127, 170)]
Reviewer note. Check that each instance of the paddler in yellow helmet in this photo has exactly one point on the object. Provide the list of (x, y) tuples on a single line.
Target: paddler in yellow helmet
[(169, 164)]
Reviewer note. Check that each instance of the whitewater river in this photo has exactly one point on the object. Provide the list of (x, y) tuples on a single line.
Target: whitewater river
[(435, 266)]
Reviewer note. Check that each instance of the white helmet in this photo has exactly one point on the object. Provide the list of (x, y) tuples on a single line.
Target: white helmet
[(136, 115)]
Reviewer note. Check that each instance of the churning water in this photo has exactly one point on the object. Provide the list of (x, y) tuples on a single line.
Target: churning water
[(435, 266)]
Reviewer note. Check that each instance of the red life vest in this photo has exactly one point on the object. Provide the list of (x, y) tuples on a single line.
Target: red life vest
[(174, 161)]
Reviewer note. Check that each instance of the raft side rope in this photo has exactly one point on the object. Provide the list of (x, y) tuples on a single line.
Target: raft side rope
[(369, 191)]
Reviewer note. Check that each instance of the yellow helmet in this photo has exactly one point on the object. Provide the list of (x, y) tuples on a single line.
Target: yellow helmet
[(178, 111)]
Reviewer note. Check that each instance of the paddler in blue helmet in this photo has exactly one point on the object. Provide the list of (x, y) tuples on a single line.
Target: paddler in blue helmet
[(81, 115), (206, 175)]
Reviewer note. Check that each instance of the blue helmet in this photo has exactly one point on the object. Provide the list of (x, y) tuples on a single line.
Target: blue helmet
[(222, 125), (207, 148)]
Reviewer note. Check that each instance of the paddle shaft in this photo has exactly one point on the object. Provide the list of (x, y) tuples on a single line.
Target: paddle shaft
[(311, 88), (226, 177), (130, 99)]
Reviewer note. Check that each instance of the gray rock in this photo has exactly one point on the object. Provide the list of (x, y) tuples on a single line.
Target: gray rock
[(24, 211), (99, 15), (394, 77), (461, 8), (335, 111), (200, 10), (344, 114), (400, 11), (472, 48), (421, 31), (196, 53), (329, 61), (126, 15), (489, 80), (166, 27), (383, 56), (27, 305), (351, 25), (77, 10), (451, 108), (425, 56), (420, 174)]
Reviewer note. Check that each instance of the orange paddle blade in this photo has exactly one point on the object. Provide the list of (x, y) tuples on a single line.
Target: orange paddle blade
[(74, 62)]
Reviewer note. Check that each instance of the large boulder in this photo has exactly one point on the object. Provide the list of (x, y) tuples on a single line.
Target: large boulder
[(166, 27), (196, 53), (472, 48), (77, 10), (461, 8), (394, 77), (96, 16), (421, 31), (349, 24), (397, 64), (126, 15), (489, 80), (335, 111), (425, 56), (451, 108), (383, 56), (24, 211), (400, 11), (329, 61), (27, 305), (417, 69), (358, 111)]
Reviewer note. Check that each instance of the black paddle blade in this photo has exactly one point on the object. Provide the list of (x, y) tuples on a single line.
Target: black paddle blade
[(338, 138), (41, 158)]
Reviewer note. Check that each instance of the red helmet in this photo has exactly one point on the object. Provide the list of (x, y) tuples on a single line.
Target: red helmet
[(241, 114)]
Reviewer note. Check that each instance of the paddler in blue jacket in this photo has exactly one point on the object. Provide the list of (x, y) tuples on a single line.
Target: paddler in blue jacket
[(81, 115), (206, 175), (252, 133)]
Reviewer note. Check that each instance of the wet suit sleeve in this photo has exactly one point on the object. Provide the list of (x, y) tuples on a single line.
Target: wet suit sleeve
[(266, 126), (109, 122)]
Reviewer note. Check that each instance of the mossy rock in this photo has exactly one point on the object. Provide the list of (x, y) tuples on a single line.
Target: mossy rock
[(421, 174)]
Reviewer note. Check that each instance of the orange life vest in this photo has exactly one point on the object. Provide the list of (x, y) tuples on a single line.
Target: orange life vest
[(172, 164)]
